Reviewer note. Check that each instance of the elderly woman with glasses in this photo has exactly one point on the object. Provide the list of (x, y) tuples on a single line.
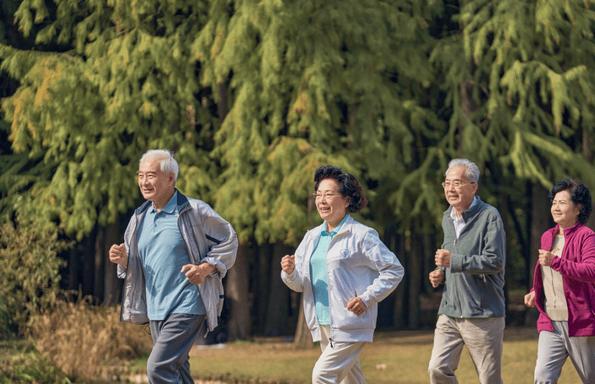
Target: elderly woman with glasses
[(343, 270), (564, 287)]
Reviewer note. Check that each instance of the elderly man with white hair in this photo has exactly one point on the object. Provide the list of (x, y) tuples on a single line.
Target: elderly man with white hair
[(175, 253), (470, 264)]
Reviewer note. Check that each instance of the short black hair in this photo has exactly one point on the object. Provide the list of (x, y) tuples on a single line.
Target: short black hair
[(348, 185), (579, 194)]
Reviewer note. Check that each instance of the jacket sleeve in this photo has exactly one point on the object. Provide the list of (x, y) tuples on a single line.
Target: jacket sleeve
[(390, 270), (583, 270), (222, 254), (295, 280), (492, 258)]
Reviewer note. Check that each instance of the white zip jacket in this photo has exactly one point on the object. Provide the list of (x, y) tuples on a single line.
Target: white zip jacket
[(358, 263)]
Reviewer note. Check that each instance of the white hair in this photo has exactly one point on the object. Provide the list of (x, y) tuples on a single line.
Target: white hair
[(167, 164), (471, 169)]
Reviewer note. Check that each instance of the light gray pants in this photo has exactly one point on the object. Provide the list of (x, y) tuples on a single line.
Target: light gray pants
[(483, 338), (338, 363), (172, 340), (554, 347)]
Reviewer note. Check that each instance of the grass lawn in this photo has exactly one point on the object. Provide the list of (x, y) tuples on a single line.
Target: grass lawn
[(397, 357)]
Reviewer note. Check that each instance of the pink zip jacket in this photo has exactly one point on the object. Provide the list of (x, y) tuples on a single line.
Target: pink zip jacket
[(577, 267)]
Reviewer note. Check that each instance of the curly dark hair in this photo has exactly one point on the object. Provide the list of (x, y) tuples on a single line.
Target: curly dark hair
[(579, 194), (349, 187)]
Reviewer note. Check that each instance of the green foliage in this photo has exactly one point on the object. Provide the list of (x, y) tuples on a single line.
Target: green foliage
[(254, 95), (520, 87), (21, 364), (86, 114), (30, 273)]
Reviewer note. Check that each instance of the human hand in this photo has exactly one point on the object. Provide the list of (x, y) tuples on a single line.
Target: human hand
[(442, 257), (356, 305), (196, 274), (545, 257), (530, 299), (118, 255), (288, 264), (436, 277)]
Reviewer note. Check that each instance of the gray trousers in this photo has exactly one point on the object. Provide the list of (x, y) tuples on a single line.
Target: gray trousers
[(483, 338), (172, 340), (554, 347), (338, 363)]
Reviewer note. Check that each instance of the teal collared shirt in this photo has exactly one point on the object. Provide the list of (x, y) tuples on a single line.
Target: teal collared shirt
[(162, 252), (319, 273)]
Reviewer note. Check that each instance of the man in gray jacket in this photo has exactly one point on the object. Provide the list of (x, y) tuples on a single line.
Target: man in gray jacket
[(176, 250), (470, 264)]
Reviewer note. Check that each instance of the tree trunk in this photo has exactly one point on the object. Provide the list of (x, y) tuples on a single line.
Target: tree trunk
[(278, 301), (417, 253), (262, 286), (399, 304), (112, 285), (99, 265), (240, 324), (540, 218)]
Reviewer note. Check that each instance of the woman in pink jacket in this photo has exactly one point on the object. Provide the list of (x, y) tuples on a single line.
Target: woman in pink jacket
[(564, 287)]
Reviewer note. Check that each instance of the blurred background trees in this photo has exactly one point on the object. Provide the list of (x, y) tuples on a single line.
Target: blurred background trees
[(254, 95)]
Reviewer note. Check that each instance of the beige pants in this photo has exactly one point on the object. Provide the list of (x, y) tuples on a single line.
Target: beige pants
[(338, 363), (553, 349), (483, 338)]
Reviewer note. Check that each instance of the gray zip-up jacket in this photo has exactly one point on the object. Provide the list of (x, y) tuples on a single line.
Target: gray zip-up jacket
[(474, 285), (358, 264), (209, 239)]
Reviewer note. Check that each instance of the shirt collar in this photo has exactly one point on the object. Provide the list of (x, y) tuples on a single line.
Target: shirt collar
[(171, 205), (332, 233), (473, 204)]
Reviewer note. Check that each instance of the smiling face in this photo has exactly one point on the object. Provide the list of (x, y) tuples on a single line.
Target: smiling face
[(458, 189), (154, 184), (330, 203), (564, 211)]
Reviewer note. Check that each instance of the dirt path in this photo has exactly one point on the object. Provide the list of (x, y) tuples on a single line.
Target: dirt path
[(142, 379)]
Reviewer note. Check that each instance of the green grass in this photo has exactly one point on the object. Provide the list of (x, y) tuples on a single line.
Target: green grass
[(397, 357)]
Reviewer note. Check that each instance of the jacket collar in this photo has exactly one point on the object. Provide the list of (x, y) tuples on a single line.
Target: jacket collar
[(345, 227), (473, 210), (182, 202), (567, 231)]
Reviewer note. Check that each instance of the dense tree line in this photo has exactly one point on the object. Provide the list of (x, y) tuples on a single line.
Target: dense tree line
[(254, 95)]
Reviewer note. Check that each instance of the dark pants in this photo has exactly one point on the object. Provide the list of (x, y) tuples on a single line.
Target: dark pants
[(172, 340)]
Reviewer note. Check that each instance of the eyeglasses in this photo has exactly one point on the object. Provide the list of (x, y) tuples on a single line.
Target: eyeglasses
[(457, 183), (326, 195)]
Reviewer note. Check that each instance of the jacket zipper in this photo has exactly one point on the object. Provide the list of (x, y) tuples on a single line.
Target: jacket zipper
[(330, 312), (455, 281)]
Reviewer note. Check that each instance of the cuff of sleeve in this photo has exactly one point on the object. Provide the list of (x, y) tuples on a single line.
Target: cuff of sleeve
[(289, 276), (221, 269), (555, 264), (366, 299), (120, 271), (456, 263)]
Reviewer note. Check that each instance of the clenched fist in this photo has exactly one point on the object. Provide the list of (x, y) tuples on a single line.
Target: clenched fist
[(117, 254), (436, 277), (196, 274), (442, 258), (288, 264), (530, 299), (545, 257)]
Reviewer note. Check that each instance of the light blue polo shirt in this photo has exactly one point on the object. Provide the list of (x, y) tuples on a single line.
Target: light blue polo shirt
[(319, 273), (162, 253)]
